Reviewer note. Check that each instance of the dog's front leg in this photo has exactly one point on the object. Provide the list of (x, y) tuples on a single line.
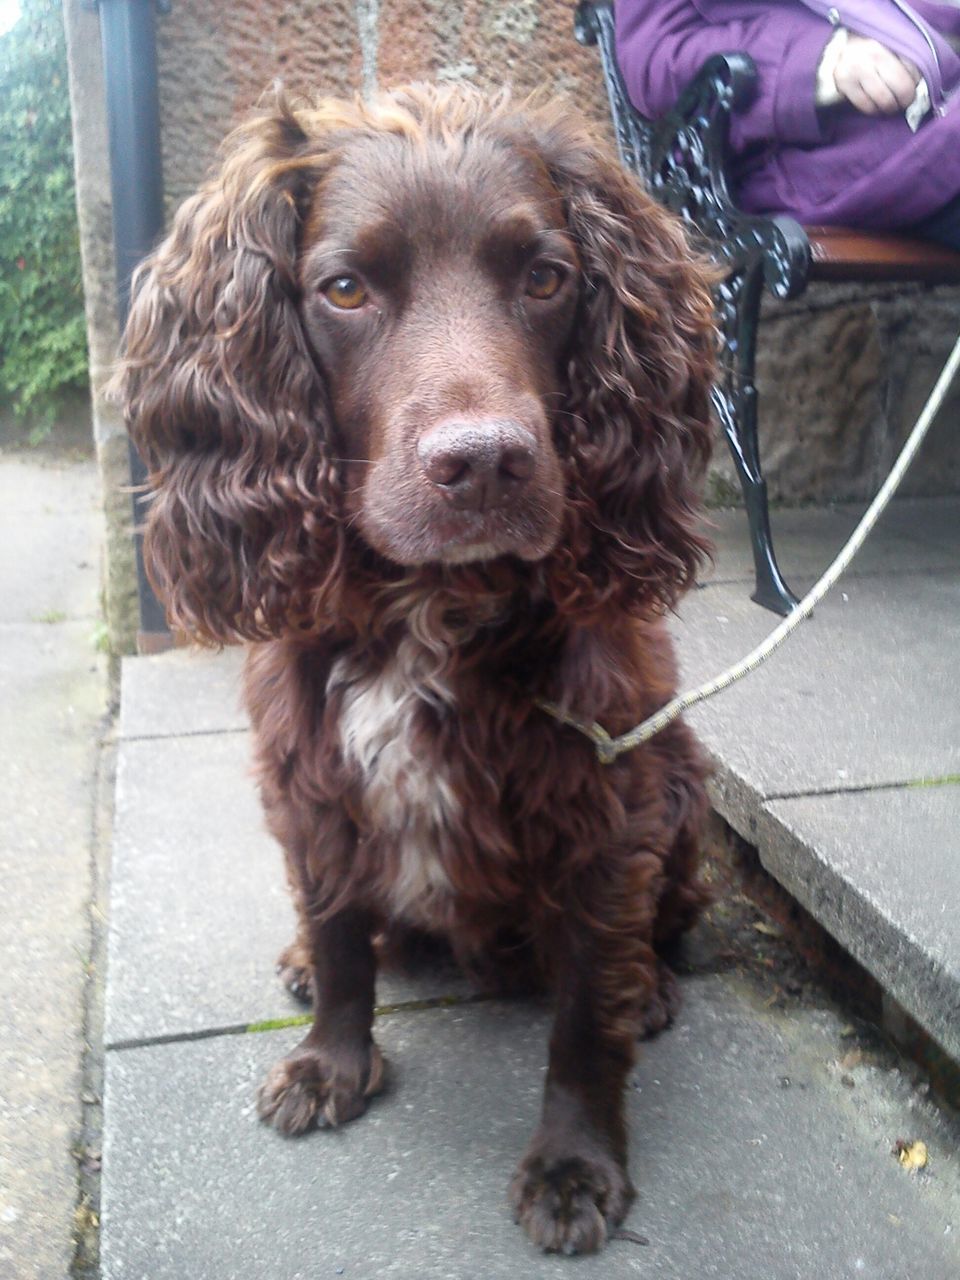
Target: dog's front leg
[(337, 1066), (571, 1188)]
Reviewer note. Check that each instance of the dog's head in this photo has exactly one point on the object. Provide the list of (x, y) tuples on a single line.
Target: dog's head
[(431, 330)]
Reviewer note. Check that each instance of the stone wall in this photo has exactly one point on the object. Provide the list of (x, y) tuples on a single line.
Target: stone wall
[(216, 61), (842, 372)]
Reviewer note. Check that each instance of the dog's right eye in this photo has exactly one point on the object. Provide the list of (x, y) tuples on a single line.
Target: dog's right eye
[(345, 292), (543, 281)]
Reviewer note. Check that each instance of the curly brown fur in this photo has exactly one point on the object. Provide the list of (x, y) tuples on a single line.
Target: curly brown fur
[(423, 388)]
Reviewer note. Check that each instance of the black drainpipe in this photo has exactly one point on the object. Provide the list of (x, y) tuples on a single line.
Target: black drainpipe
[(136, 181)]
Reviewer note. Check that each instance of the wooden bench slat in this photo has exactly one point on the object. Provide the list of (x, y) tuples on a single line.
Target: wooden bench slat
[(843, 253)]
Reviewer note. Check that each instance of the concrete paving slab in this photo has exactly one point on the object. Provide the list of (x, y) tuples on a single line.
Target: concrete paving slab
[(881, 871), (50, 541), (855, 698), (912, 534), (199, 905), (752, 1157), (183, 691), (931, 525), (52, 696)]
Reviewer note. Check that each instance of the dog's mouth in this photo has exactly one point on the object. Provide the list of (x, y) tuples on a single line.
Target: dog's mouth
[(432, 536), (498, 534), (469, 552)]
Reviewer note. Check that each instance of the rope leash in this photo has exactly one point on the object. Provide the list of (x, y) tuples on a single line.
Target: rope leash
[(608, 748)]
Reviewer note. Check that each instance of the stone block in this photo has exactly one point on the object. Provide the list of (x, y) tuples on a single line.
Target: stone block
[(912, 533), (525, 45), (215, 65), (920, 333), (842, 374), (819, 379)]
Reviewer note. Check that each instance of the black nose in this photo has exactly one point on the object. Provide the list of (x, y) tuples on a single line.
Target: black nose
[(478, 463)]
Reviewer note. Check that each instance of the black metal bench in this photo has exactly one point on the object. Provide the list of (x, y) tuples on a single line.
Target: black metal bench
[(682, 160)]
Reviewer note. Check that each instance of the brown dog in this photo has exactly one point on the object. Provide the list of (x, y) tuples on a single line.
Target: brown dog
[(423, 389)]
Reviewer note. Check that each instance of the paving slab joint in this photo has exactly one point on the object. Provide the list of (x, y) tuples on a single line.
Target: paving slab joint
[(859, 788), (294, 1020), (227, 731)]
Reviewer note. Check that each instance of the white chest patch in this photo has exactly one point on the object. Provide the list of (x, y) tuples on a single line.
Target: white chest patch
[(406, 797)]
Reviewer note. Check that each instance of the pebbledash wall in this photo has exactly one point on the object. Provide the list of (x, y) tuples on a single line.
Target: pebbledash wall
[(842, 372)]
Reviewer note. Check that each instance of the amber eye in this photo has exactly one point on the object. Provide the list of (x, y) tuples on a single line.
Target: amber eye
[(345, 292), (544, 281)]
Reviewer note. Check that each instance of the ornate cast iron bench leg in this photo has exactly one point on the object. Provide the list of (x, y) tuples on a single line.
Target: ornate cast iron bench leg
[(735, 404)]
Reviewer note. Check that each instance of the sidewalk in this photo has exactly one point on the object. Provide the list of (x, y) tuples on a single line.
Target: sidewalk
[(53, 690), (762, 1129)]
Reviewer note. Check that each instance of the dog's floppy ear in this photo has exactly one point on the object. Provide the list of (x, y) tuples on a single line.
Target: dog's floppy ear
[(225, 403), (636, 430)]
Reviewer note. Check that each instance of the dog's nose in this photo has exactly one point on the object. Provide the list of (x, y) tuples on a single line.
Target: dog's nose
[(478, 463)]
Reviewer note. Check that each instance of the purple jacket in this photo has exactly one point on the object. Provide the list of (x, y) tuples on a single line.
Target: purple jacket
[(833, 166)]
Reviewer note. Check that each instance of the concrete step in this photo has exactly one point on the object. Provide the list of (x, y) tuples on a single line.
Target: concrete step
[(840, 758)]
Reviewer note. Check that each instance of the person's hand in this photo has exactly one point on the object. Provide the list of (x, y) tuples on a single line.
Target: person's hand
[(872, 78)]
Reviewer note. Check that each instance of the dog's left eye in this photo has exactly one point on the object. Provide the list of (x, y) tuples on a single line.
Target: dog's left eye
[(544, 281), (345, 292)]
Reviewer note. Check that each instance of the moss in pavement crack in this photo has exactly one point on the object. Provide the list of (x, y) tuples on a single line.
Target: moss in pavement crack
[(402, 1006)]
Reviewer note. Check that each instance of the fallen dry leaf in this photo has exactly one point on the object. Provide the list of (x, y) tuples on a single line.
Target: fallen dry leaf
[(770, 930), (912, 1155)]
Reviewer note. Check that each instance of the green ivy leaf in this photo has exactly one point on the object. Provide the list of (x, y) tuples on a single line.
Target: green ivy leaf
[(43, 352)]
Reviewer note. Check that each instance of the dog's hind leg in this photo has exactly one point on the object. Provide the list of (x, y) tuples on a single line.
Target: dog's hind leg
[(294, 963)]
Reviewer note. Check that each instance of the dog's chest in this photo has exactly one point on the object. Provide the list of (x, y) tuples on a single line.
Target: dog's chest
[(406, 797)]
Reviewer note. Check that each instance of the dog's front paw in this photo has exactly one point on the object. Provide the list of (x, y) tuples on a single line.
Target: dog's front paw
[(569, 1203), (315, 1087)]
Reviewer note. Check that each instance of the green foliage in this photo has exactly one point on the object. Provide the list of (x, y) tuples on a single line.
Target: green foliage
[(43, 352)]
